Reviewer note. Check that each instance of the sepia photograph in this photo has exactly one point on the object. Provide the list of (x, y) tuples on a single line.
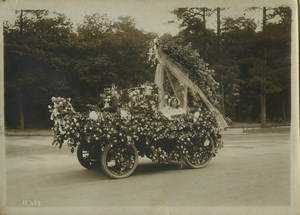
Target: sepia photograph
[(149, 107)]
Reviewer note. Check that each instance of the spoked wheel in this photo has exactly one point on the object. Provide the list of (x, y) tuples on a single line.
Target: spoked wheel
[(88, 155), (119, 160), (201, 155)]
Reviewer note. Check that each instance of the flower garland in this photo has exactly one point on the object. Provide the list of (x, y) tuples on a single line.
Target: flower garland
[(199, 71), (153, 134)]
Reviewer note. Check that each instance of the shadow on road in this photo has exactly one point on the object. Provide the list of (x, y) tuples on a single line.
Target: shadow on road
[(142, 169), (152, 168)]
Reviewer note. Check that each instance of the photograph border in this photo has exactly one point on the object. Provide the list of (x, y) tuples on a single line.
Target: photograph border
[(294, 207)]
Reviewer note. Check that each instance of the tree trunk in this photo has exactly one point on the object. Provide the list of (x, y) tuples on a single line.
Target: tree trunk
[(21, 108), (239, 112), (222, 95), (263, 99), (21, 28), (219, 30), (219, 51), (21, 113), (283, 108), (204, 32), (263, 91)]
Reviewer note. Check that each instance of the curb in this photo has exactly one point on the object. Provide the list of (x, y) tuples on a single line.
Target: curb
[(228, 131)]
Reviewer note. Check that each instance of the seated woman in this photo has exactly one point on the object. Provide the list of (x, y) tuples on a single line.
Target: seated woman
[(173, 109)]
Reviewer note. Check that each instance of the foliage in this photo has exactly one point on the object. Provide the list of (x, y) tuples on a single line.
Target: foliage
[(108, 52), (37, 46), (197, 69), (236, 65), (35, 62), (238, 62), (193, 24), (46, 55)]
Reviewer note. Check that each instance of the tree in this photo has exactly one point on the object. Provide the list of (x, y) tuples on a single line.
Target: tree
[(273, 46), (251, 63), (45, 56), (279, 59), (194, 29), (35, 47), (109, 51), (238, 38)]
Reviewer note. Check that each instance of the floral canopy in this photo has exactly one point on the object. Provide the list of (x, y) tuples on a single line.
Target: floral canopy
[(180, 83)]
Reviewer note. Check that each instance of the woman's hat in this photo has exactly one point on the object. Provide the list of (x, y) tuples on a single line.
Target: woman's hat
[(172, 98)]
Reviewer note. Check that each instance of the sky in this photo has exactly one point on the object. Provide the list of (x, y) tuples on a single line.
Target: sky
[(149, 19), (150, 15)]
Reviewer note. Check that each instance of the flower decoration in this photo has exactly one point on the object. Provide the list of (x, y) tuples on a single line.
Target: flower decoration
[(94, 115), (199, 71), (139, 121), (153, 134)]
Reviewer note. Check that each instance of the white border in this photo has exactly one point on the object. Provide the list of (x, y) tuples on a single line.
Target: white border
[(294, 208)]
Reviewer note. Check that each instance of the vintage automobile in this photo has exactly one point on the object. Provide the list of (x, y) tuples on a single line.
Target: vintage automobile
[(114, 141)]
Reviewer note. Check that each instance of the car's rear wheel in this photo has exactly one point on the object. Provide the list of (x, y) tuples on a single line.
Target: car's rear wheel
[(201, 155)]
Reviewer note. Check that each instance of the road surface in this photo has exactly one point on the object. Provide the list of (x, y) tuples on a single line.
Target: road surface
[(253, 169)]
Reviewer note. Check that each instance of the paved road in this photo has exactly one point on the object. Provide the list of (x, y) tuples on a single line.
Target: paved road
[(253, 169)]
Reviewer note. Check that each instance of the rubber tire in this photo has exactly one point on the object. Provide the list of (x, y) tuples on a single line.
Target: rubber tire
[(84, 161), (202, 165), (106, 168)]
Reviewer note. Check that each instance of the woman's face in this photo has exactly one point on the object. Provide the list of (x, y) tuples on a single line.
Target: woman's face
[(174, 103)]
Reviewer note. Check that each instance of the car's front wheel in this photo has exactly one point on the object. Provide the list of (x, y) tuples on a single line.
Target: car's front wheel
[(119, 160), (88, 155)]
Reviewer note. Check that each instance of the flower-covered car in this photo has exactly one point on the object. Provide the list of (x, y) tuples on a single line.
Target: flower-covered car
[(115, 140)]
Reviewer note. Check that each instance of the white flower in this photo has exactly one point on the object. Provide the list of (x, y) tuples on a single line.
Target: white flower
[(206, 143), (124, 113), (55, 112), (93, 115), (148, 90), (111, 163), (196, 116)]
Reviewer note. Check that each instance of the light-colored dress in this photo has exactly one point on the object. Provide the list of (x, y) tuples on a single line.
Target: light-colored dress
[(168, 111)]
